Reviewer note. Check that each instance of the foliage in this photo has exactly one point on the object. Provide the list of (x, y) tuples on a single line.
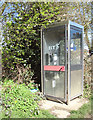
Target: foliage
[(21, 73), (21, 44), (87, 91), (83, 111), (80, 12), (19, 102), (87, 68), (22, 24), (87, 75)]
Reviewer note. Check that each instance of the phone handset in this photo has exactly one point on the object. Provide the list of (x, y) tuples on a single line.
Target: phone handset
[(55, 58), (51, 59)]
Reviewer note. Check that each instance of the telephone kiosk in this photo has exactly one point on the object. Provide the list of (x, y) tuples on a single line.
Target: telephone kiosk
[(62, 61)]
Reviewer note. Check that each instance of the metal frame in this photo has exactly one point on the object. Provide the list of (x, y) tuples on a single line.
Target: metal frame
[(42, 84), (69, 54), (76, 24), (66, 27), (56, 98), (82, 57), (67, 60), (42, 61), (68, 92)]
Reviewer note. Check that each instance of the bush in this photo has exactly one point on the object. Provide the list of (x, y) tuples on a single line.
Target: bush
[(21, 43), (87, 75), (87, 69), (21, 74), (87, 91), (19, 102)]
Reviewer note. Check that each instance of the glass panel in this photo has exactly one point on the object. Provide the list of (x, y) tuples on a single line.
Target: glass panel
[(75, 47), (53, 55), (76, 66), (54, 83), (48, 85), (59, 87), (76, 82), (54, 47)]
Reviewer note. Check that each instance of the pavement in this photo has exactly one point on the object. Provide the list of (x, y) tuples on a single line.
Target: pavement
[(61, 110)]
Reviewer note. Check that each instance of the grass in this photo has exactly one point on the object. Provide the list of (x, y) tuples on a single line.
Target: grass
[(19, 102), (83, 111)]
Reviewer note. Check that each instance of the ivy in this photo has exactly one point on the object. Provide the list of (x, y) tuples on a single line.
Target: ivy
[(21, 44)]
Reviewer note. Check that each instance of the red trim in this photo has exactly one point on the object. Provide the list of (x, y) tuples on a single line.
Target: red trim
[(54, 68)]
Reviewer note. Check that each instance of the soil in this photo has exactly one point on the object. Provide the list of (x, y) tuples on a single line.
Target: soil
[(62, 110)]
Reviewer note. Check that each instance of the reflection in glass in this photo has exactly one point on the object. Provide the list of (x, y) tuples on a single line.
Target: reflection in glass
[(75, 47), (54, 83), (54, 43), (76, 75), (54, 47)]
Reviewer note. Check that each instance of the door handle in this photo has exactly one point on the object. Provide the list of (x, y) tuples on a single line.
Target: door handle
[(61, 69)]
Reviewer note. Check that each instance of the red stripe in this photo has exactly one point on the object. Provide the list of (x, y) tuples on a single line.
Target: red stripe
[(54, 68)]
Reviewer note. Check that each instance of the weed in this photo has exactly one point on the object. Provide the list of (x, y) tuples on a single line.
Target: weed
[(83, 111), (19, 102)]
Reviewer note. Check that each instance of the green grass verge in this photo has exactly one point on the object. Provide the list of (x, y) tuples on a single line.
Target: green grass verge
[(83, 111), (19, 102)]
